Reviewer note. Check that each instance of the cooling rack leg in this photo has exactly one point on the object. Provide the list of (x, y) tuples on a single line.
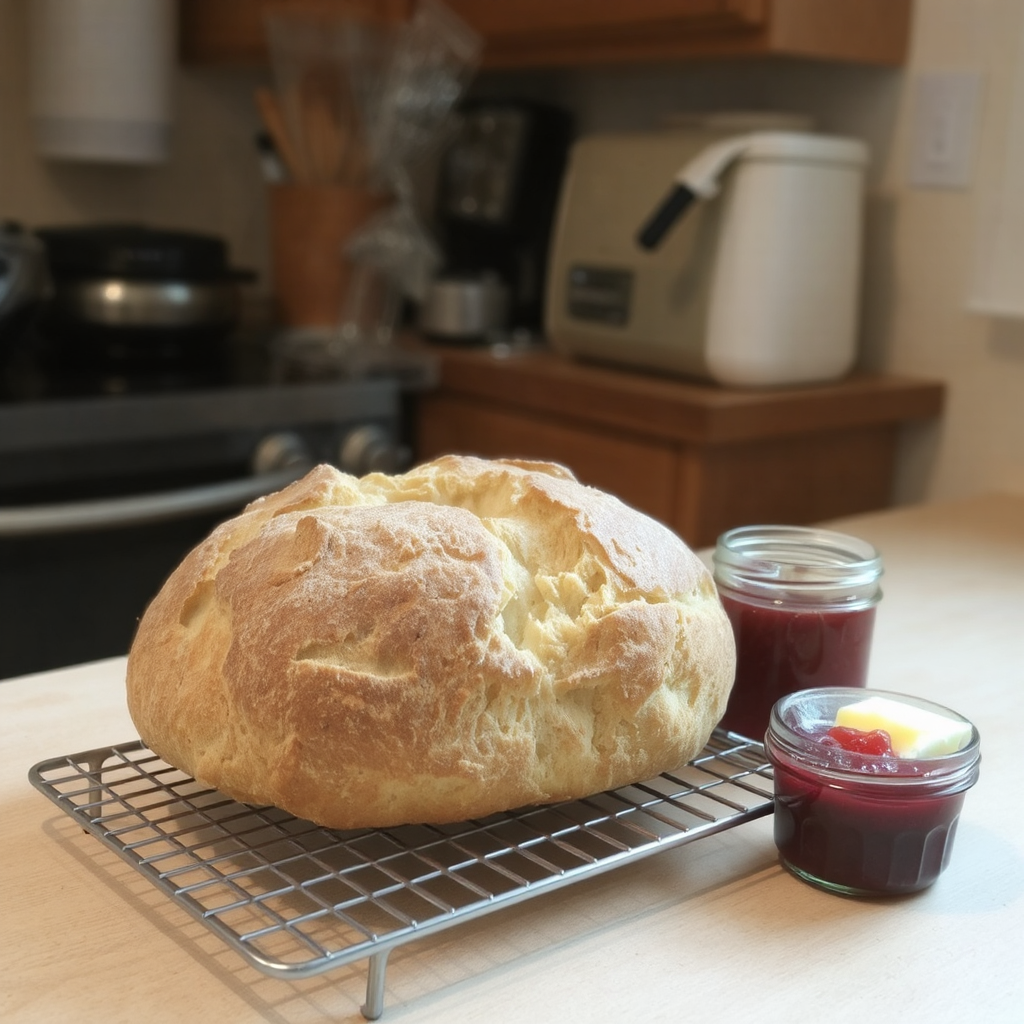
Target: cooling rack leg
[(95, 766), (374, 1005)]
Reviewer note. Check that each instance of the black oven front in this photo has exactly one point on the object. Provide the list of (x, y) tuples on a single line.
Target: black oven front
[(100, 497)]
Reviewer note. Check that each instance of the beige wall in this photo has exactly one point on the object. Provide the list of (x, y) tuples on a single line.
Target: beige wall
[(920, 243), (923, 321)]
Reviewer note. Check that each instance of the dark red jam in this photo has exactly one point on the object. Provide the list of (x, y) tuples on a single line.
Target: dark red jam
[(782, 649), (896, 841), (861, 823)]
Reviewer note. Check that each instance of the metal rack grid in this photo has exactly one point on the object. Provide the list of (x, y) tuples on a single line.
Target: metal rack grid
[(296, 899)]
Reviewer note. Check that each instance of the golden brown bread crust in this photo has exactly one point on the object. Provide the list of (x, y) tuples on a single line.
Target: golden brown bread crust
[(469, 637)]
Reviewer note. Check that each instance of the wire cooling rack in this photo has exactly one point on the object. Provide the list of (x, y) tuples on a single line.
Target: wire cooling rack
[(296, 899)]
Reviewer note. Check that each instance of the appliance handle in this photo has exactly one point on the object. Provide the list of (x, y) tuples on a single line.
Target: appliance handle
[(697, 180), (142, 509)]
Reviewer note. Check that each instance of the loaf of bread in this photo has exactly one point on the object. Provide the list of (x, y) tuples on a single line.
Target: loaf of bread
[(469, 637)]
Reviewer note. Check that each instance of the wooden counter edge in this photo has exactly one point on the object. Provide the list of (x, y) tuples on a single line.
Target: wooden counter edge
[(677, 409)]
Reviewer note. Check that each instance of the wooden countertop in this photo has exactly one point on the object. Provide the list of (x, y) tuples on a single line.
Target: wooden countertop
[(714, 930), (677, 409)]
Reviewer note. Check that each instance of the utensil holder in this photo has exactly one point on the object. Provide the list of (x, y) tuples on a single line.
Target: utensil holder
[(309, 227)]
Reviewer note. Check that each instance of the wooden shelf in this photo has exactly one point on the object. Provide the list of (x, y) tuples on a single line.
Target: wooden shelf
[(699, 457), (539, 33)]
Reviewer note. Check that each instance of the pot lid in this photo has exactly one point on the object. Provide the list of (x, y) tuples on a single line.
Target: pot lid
[(137, 253)]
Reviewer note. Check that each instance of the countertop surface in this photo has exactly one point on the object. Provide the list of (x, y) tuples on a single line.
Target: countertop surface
[(676, 408), (712, 930)]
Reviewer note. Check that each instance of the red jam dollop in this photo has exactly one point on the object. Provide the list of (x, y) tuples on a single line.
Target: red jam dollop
[(877, 742)]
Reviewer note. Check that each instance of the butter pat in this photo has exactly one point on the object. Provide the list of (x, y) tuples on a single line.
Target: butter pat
[(913, 731)]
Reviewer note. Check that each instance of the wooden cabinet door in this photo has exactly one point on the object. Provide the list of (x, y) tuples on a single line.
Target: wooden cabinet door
[(498, 21), (526, 32)]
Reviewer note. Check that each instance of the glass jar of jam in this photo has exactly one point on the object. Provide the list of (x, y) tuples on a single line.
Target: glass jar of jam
[(862, 824), (802, 606)]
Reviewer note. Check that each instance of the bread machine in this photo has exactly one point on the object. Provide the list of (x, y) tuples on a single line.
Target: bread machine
[(732, 256)]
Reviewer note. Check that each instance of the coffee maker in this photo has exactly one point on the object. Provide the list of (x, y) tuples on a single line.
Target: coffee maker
[(498, 188)]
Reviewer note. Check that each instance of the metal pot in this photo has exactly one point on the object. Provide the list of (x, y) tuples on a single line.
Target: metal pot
[(130, 275), (136, 308), (121, 302)]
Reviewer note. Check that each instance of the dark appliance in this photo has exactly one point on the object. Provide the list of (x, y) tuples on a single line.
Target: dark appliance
[(498, 190), (135, 308)]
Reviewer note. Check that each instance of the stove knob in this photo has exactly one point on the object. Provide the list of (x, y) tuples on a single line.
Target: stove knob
[(370, 449), (283, 450)]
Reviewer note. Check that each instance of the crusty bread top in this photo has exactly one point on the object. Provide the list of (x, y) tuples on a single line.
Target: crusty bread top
[(468, 637)]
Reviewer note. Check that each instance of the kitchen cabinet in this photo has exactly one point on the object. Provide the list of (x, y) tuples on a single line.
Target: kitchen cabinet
[(700, 458), (232, 32), (533, 33), (566, 33)]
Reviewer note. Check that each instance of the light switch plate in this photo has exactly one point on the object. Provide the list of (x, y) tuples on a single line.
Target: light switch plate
[(947, 108)]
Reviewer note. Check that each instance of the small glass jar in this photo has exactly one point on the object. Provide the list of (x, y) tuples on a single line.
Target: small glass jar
[(860, 824), (802, 606)]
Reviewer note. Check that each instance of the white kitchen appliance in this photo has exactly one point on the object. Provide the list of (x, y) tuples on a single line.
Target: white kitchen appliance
[(756, 285)]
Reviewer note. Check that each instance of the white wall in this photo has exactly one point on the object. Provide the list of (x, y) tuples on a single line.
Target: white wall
[(920, 258)]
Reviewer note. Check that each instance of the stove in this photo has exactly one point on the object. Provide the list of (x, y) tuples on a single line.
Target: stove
[(102, 494)]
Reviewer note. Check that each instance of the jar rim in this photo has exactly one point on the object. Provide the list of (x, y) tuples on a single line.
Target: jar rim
[(956, 770), (806, 563)]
